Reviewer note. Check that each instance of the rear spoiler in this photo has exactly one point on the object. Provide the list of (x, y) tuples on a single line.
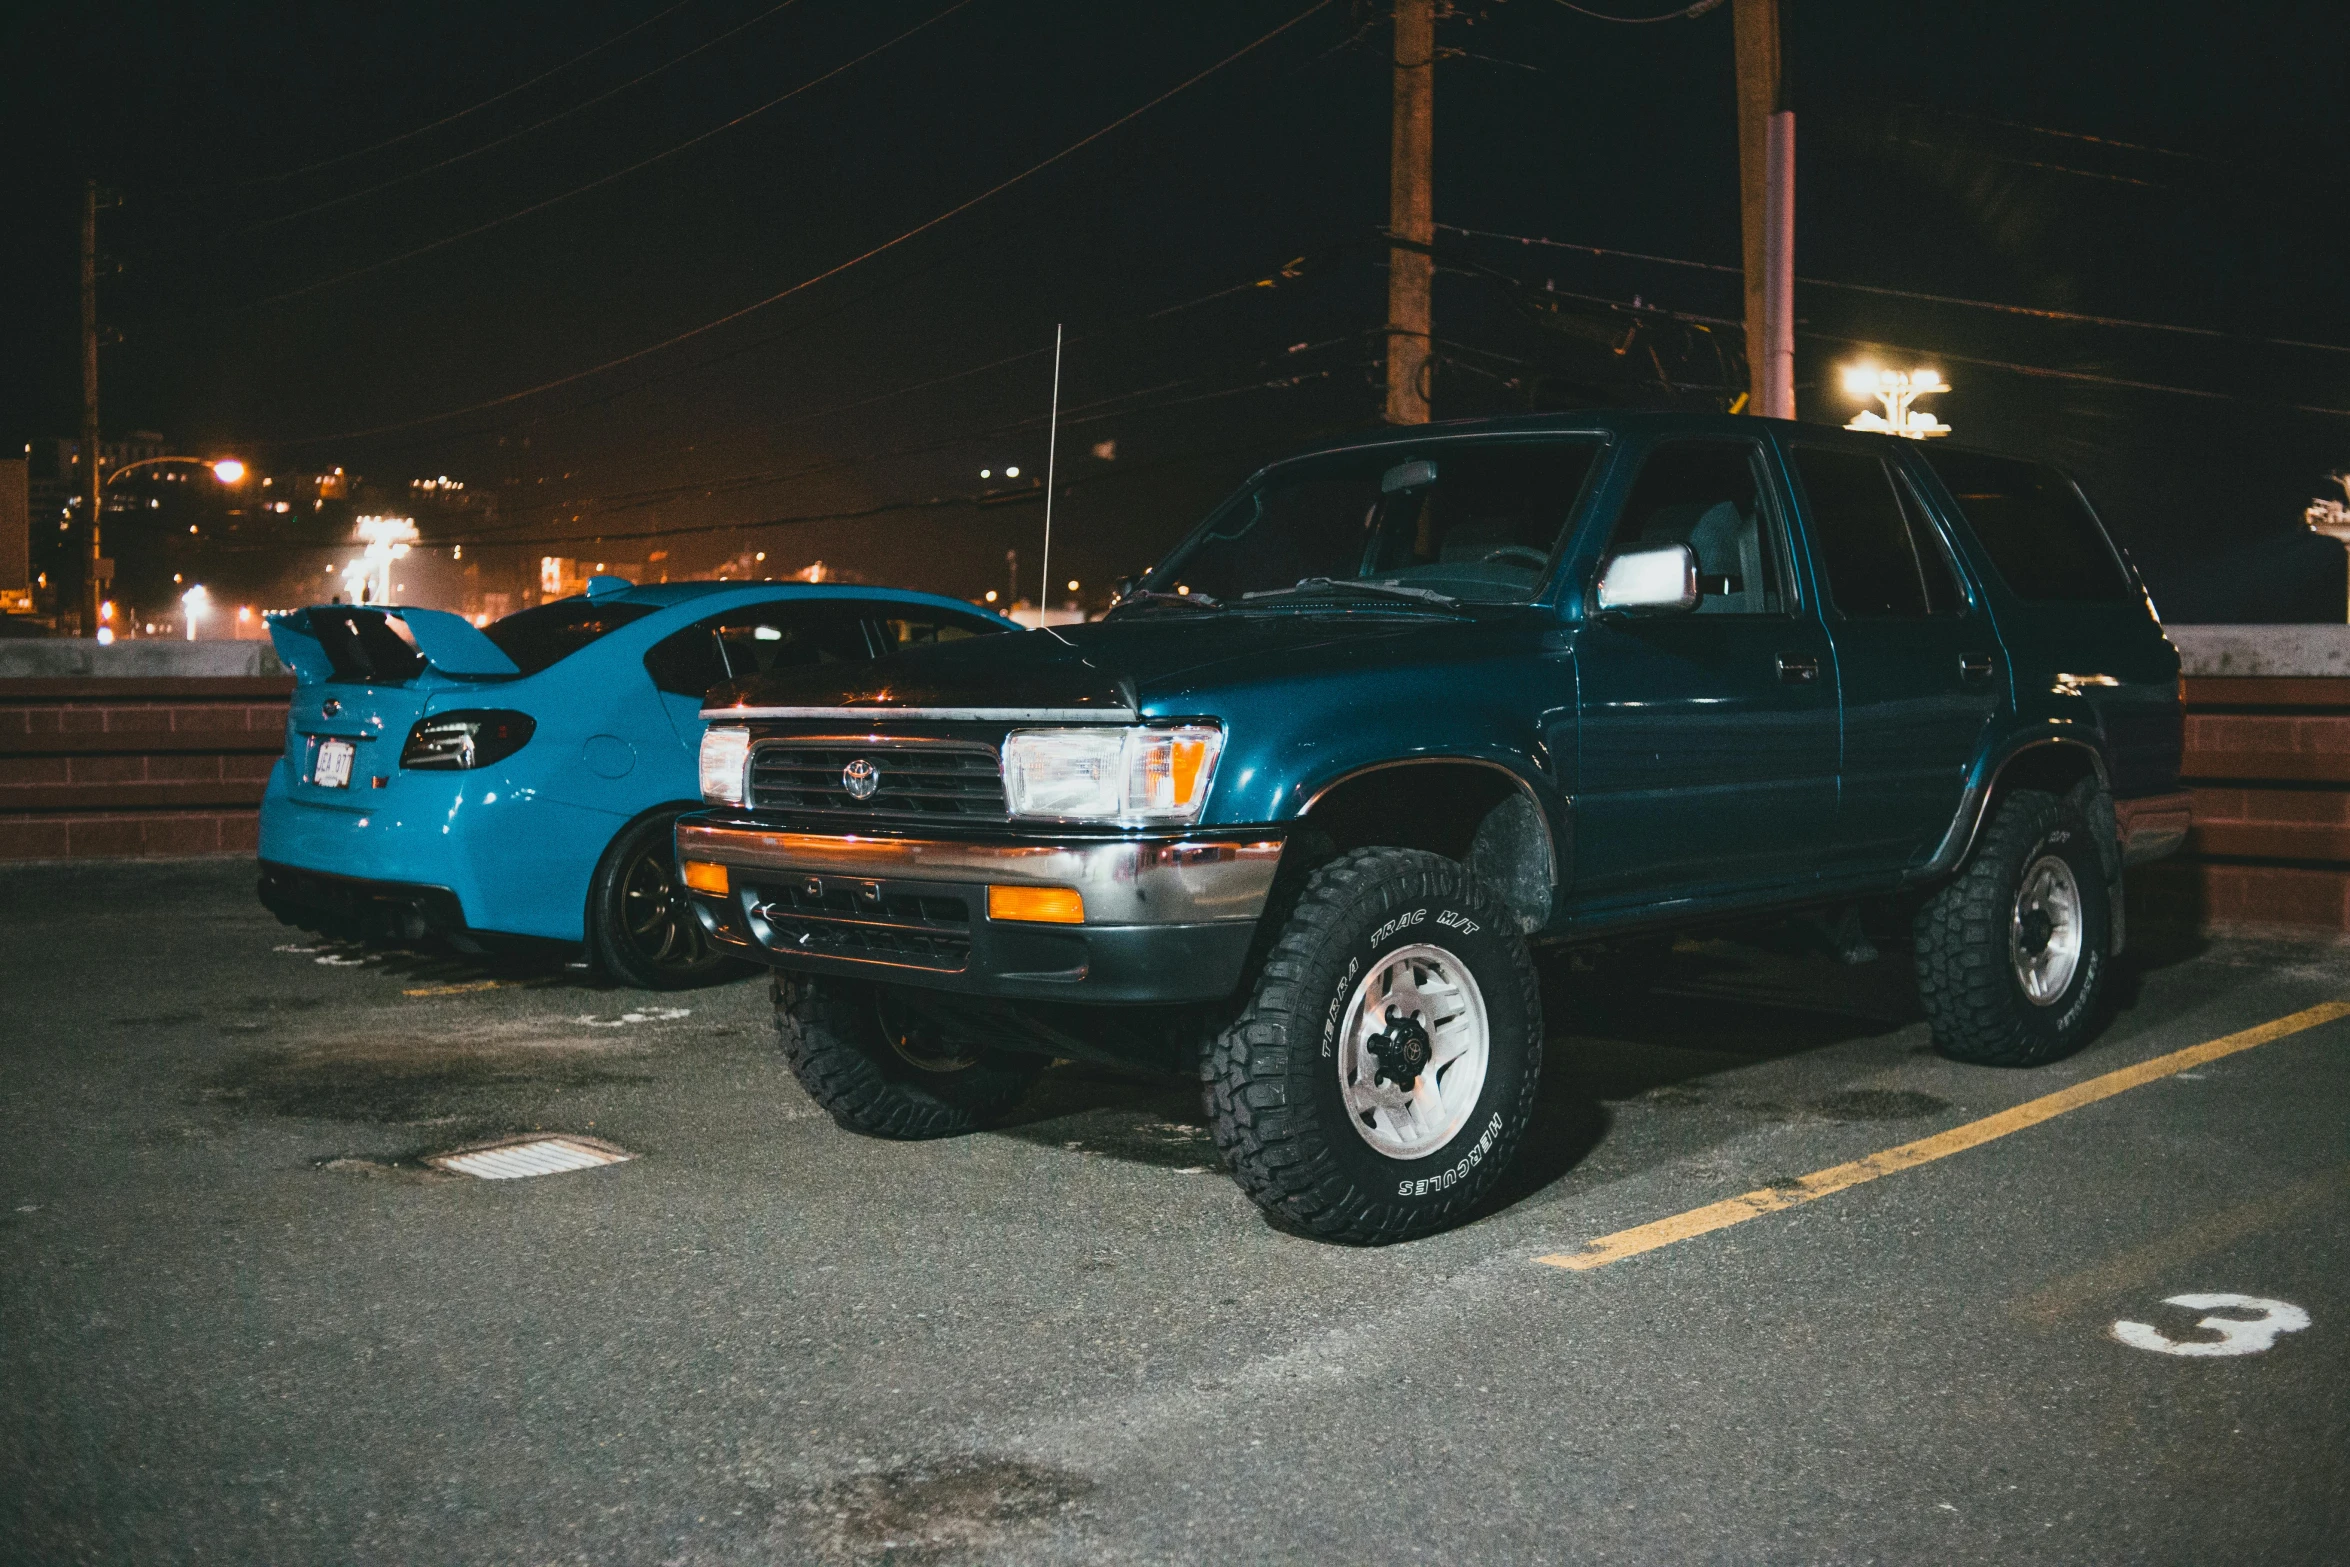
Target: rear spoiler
[(449, 643)]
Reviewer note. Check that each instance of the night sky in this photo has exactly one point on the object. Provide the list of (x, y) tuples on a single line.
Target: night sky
[(279, 164)]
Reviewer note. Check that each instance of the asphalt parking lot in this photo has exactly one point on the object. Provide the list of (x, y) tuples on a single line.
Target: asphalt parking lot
[(240, 1321)]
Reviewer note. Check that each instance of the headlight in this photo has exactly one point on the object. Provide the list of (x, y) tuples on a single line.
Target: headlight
[(724, 751), (474, 737), (1132, 776)]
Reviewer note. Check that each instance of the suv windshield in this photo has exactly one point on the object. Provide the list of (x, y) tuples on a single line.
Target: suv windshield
[(1472, 521), (549, 633)]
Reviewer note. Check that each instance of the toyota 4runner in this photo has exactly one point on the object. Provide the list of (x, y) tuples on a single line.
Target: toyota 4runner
[(1295, 812)]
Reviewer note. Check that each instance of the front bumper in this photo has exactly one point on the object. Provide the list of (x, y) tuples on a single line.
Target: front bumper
[(1167, 918)]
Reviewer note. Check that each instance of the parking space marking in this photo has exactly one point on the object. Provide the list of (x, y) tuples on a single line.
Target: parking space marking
[(464, 988), (1822, 1183), (2144, 1265), (2237, 1335)]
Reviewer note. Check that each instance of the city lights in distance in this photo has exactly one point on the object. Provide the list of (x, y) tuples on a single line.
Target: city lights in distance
[(193, 605), (1011, 473), (229, 471), (1072, 584), (991, 595)]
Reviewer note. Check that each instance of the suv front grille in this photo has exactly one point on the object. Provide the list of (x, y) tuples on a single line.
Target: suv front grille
[(835, 917), (938, 780)]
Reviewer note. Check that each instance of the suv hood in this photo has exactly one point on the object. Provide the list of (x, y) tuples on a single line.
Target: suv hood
[(1109, 671)]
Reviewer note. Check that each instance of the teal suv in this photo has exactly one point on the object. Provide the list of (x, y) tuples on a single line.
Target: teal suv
[(1295, 812)]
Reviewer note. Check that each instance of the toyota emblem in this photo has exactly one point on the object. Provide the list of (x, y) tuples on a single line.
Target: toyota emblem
[(860, 778)]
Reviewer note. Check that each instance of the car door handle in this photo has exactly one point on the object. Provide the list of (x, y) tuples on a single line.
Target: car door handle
[(1798, 669), (1975, 666)]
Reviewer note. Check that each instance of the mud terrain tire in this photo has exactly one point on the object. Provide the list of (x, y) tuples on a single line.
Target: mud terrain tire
[(1975, 939), (1277, 1085), (883, 1077)]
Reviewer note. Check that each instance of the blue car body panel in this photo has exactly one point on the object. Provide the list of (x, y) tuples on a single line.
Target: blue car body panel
[(516, 842)]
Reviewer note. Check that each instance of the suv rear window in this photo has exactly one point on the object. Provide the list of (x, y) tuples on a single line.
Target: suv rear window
[(547, 634), (2036, 527)]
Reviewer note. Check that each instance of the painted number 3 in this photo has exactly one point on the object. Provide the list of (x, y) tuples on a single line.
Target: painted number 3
[(2237, 1335)]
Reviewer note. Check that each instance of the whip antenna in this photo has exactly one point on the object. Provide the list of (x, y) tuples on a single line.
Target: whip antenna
[(1052, 449)]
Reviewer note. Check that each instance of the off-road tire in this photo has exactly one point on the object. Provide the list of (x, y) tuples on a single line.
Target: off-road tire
[(1274, 1098), (1976, 1005), (838, 1047), (682, 956)]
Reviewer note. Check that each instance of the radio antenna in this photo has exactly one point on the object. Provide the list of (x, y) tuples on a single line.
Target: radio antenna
[(1052, 451)]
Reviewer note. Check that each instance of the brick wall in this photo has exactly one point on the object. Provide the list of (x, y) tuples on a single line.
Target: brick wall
[(2268, 762), (115, 768)]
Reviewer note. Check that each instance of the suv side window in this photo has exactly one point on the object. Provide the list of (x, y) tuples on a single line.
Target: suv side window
[(1707, 494), (1881, 559), (2038, 531), (755, 639)]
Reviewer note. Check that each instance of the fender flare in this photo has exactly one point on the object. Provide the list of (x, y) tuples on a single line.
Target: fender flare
[(1974, 805), (1555, 862)]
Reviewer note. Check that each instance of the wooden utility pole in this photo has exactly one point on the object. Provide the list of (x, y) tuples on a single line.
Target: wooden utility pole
[(1765, 208), (93, 483), (1411, 213)]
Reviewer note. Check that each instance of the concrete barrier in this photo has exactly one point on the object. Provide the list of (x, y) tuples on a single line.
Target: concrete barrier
[(137, 750)]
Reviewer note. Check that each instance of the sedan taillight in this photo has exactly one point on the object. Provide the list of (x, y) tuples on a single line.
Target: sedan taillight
[(473, 737)]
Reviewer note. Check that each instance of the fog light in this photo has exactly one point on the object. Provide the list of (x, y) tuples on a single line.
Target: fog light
[(706, 876), (1046, 905)]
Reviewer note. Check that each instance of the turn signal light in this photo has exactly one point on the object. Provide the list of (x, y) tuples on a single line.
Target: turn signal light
[(706, 876), (1045, 905)]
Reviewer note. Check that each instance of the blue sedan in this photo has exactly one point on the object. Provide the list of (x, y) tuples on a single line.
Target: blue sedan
[(519, 782)]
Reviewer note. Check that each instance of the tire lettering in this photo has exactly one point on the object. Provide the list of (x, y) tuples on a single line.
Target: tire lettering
[(1459, 1172), (1452, 919), (1400, 922), (1337, 1001)]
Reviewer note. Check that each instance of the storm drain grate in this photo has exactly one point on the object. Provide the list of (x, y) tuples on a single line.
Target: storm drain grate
[(522, 1157)]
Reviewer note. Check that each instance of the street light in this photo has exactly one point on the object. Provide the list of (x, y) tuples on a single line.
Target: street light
[(193, 603), (1897, 390), (227, 470)]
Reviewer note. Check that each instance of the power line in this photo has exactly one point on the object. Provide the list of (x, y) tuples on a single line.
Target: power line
[(830, 272), (1907, 293), (2044, 372), (1686, 13), (600, 181), (508, 539), (1288, 271), (451, 119), (1095, 412), (475, 152)]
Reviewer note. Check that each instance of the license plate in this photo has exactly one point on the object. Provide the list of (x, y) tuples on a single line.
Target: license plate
[(332, 770)]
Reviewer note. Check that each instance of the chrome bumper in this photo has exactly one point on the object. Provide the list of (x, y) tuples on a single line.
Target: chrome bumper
[(2151, 826), (1191, 880)]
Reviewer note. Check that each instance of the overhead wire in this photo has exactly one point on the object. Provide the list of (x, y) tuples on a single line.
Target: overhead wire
[(451, 119), (1908, 293), (500, 141), (829, 272), (1684, 14), (580, 190)]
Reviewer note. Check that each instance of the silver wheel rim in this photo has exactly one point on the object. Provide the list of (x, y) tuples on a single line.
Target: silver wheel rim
[(1413, 1049), (2044, 935)]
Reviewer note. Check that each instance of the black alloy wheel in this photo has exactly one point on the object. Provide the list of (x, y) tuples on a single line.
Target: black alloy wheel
[(641, 925)]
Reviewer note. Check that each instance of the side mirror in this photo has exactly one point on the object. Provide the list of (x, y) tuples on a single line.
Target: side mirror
[(1662, 576), (1123, 586)]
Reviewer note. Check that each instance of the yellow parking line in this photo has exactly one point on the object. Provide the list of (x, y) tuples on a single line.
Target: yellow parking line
[(465, 988), (1771, 1199)]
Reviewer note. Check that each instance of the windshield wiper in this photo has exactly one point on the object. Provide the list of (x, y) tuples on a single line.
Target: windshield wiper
[(1141, 597), (1314, 587)]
